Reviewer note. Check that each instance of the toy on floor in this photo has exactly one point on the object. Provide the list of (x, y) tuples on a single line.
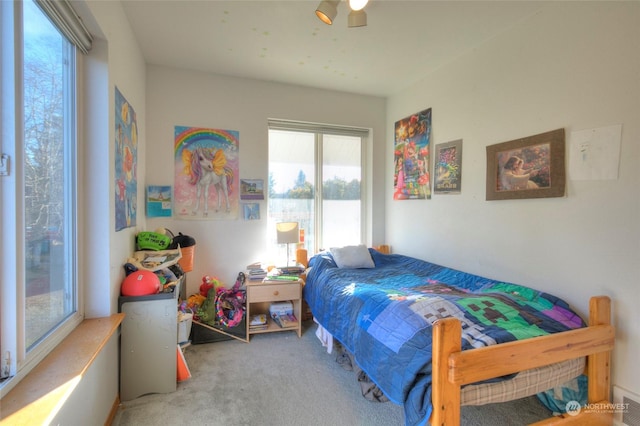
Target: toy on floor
[(230, 304), (209, 282)]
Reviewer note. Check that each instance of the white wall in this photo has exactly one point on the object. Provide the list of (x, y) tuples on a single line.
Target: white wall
[(115, 61), (573, 65), (184, 98), (92, 399)]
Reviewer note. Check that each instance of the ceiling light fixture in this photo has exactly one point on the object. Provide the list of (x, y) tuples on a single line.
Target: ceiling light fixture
[(327, 11), (357, 18), (357, 4)]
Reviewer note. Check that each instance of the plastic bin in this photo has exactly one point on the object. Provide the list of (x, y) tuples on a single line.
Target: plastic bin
[(201, 334), (184, 326)]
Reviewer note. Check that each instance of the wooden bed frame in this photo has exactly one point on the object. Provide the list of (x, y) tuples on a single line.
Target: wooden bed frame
[(454, 368)]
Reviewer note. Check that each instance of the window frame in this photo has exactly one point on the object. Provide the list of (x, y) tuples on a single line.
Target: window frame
[(12, 225)]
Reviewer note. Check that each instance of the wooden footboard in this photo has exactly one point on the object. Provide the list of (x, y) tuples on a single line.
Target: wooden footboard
[(453, 368)]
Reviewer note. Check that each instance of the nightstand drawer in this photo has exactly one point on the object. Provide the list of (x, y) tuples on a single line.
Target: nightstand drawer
[(274, 292)]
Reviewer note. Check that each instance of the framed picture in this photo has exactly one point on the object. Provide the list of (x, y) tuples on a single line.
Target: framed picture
[(531, 167), (251, 189), (448, 168)]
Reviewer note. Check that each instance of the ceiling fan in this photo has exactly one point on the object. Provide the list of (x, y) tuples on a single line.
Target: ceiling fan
[(327, 11)]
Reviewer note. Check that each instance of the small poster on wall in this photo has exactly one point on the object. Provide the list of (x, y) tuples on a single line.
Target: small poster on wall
[(159, 201), (251, 211), (126, 160), (411, 157), (251, 189), (448, 168)]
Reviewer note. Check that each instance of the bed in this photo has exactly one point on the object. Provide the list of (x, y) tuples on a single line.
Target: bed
[(422, 331)]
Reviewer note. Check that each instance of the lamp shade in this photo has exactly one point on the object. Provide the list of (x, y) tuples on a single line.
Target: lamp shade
[(357, 18), (287, 232), (327, 11)]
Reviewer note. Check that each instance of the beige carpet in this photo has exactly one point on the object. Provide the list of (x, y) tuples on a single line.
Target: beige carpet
[(280, 380)]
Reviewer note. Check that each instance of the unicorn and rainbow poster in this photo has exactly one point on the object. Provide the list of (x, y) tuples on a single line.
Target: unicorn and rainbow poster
[(206, 173)]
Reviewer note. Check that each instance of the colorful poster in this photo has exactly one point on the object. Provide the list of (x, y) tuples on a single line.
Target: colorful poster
[(251, 211), (158, 201), (448, 168), (126, 161), (411, 157), (206, 184), (251, 189)]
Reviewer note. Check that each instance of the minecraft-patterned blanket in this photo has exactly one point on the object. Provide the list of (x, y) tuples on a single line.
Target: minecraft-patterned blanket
[(384, 317)]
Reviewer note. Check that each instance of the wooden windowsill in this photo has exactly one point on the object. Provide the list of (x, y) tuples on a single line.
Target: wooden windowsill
[(37, 397)]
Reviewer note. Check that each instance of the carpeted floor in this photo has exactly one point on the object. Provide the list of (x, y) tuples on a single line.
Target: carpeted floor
[(279, 380)]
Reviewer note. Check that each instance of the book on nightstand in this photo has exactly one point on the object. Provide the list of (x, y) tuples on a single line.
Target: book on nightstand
[(258, 322), (286, 270), (284, 320), (280, 278)]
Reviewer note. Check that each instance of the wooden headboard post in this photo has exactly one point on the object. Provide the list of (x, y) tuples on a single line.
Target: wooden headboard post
[(301, 257), (383, 248)]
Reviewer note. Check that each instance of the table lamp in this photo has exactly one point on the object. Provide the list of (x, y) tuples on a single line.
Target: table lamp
[(287, 233)]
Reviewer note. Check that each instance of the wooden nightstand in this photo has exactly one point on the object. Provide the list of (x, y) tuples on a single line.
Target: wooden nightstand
[(261, 294)]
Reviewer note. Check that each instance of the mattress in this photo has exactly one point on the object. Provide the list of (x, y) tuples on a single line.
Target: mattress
[(525, 383)]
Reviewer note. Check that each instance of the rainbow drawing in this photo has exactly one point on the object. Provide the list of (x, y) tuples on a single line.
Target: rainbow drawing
[(186, 137)]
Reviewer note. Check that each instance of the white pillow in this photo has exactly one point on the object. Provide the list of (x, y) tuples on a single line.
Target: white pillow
[(352, 257)]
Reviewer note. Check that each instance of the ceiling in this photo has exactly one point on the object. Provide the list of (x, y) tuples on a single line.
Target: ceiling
[(283, 41)]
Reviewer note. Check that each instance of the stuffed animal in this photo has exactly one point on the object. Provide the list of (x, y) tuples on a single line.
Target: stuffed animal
[(195, 301), (208, 283)]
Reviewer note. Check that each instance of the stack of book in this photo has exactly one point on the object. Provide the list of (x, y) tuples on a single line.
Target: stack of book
[(258, 322), (285, 273), (256, 272), (279, 278)]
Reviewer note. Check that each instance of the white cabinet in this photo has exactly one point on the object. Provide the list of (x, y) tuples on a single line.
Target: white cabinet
[(148, 344)]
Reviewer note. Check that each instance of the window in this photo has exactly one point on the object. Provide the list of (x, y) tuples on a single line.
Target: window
[(38, 266), (300, 156)]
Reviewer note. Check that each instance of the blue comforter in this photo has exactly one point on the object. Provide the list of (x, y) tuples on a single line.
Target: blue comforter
[(383, 316)]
